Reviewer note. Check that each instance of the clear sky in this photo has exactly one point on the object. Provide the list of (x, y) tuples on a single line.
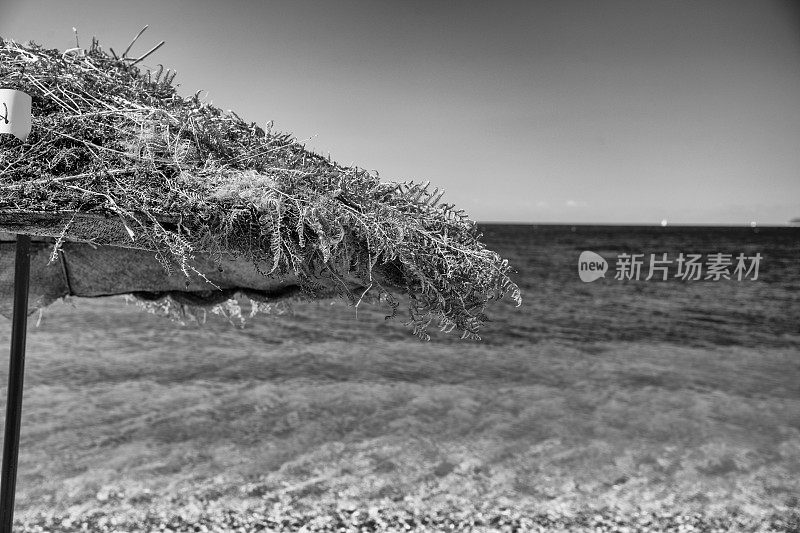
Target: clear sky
[(553, 111)]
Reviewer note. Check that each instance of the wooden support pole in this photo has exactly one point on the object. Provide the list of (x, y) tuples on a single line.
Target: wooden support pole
[(16, 372)]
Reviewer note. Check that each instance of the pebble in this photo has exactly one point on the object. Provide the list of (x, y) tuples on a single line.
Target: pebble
[(405, 520)]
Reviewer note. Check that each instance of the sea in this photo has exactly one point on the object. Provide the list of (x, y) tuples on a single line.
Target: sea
[(702, 309), (664, 387)]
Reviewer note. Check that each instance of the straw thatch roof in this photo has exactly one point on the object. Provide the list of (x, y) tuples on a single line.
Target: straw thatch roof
[(189, 200)]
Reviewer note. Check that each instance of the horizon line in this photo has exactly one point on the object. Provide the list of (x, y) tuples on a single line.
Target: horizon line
[(641, 224)]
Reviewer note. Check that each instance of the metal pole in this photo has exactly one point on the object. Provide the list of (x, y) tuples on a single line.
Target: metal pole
[(16, 371)]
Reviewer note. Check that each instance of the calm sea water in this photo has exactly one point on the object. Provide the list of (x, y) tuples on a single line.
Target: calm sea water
[(558, 305)]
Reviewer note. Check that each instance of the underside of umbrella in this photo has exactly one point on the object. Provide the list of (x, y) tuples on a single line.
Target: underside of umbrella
[(100, 261)]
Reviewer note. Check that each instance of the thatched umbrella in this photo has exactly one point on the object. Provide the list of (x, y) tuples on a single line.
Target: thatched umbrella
[(127, 187)]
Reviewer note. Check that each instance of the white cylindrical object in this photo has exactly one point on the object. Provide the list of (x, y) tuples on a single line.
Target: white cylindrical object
[(15, 113)]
